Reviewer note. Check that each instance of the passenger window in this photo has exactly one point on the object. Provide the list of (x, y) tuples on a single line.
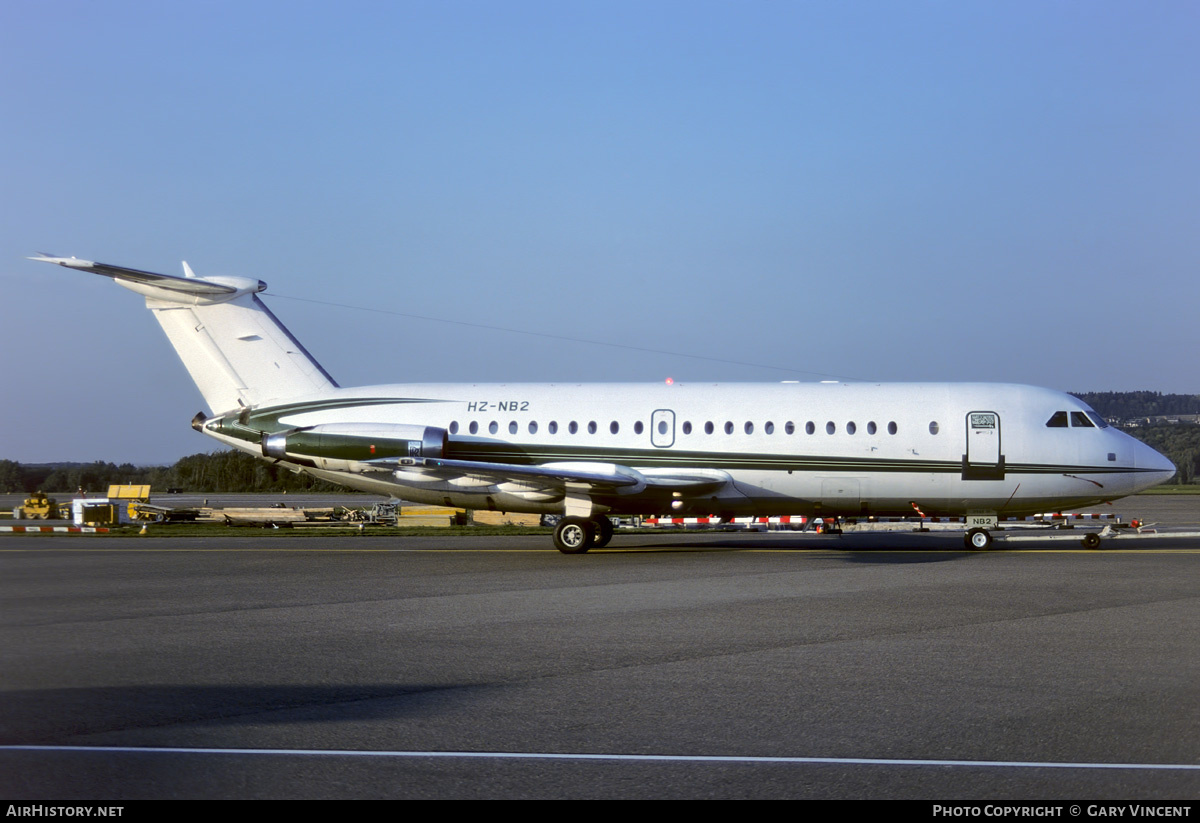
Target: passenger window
[(637, 427), (1058, 420), (871, 427), (454, 427), (749, 428), (614, 427), (512, 427), (933, 427), (493, 427), (708, 427), (1080, 420), (662, 426), (553, 427), (687, 427), (810, 427), (830, 428), (591, 427), (474, 427), (532, 427), (892, 428), (789, 427), (572, 427), (728, 427), (769, 428), (851, 428)]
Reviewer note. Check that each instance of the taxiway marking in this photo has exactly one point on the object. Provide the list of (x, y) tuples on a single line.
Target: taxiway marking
[(662, 758)]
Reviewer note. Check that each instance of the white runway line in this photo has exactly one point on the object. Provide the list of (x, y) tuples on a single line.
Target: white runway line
[(662, 758)]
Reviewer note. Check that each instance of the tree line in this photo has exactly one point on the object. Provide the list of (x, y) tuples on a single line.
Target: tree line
[(1178, 441), (215, 472), (1127, 405)]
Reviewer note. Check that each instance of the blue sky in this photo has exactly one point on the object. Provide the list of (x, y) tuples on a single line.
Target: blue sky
[(872, 190)]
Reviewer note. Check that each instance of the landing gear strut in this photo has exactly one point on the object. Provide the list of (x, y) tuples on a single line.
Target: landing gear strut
[(575, 535)]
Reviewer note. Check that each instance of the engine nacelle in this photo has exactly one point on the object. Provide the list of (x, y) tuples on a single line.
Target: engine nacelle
[(354, 443)]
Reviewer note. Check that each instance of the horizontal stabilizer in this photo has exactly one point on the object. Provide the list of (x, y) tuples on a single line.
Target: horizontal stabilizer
[(188, 285), (236, 350)]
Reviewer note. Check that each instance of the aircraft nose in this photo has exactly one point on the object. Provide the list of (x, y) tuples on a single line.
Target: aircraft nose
[(1160, 468)]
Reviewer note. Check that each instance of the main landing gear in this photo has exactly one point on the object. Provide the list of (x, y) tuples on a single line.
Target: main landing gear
[(575, 535)]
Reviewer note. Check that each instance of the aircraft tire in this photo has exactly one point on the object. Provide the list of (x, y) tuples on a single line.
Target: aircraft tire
[(1091, 541), (978, 539), (574, 535), (602, 532)]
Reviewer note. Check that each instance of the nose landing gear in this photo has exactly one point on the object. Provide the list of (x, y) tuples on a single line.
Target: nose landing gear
[(978, 539)]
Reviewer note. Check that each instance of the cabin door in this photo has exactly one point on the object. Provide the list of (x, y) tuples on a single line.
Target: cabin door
[(983, 459), (662, 428)]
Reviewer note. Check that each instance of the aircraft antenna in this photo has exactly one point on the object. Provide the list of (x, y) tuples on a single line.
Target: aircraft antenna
[(565, 338)]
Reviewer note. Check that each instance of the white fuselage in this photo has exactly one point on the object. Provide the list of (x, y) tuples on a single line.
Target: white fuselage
[(787, 448)]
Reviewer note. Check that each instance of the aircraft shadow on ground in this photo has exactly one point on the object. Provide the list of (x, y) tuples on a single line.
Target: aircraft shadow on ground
[(860, 548), (58, 716)]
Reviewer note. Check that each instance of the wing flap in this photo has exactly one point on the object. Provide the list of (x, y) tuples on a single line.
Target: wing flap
[(574, 476), (607, 476)]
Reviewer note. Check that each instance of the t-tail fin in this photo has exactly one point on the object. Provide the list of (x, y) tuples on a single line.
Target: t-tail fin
[(236, 350)]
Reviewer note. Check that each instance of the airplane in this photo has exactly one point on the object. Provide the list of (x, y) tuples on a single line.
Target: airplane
[(585, 451)]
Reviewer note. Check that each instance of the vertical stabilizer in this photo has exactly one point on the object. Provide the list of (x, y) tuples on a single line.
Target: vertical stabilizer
[(236, 350), (238, 353)]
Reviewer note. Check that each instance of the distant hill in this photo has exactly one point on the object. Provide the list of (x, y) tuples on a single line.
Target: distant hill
[(1131, 404)]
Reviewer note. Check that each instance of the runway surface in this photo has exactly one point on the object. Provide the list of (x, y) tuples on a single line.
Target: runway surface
[(774, 665)]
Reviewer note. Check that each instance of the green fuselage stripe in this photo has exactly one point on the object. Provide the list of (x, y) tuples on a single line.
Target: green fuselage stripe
[(532, 455)]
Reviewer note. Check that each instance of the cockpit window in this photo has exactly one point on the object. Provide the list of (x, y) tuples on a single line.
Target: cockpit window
[(1057, 421), (1097, 419), (1080, 420)]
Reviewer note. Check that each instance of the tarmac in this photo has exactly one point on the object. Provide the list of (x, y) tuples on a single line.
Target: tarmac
[(674, 665)]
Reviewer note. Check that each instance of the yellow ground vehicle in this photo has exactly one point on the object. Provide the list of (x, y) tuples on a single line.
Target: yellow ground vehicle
[(140, 509), (41, 507)]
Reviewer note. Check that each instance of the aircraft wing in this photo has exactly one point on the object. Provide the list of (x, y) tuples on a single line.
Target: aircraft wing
[(608, 476), (601, 478)]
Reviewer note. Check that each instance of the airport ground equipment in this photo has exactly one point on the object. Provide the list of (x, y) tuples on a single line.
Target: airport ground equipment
[(98, 511), (146, 512), (380, 514), (1043, 528), (1091, 531), (136, 499), (40, 507)]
